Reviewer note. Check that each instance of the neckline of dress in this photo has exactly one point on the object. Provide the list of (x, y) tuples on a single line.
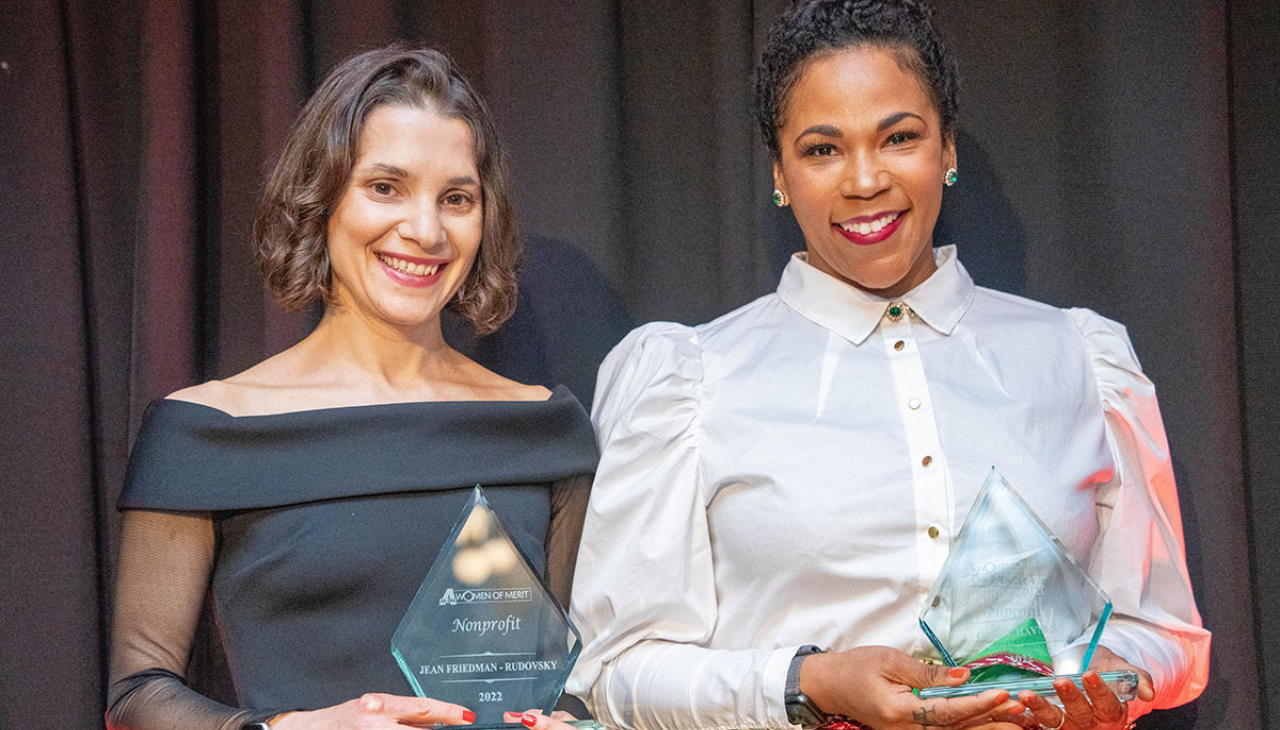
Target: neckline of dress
[(557, 393)]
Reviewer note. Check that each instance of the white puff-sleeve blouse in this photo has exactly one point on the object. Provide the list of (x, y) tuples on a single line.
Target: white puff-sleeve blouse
[(793, 472)]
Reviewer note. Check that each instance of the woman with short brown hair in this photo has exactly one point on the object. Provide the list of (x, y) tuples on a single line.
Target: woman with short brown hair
[(311, 176), (309, 494)]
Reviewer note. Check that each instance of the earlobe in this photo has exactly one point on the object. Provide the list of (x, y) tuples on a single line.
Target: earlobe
[(779, 195), (950, 173)]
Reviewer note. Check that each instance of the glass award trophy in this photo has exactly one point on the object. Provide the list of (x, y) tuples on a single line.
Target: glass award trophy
[(484, 630), (1012, 603)]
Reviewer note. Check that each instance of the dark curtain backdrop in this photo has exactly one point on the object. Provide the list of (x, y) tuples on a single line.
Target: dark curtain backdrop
[(1116, 154)]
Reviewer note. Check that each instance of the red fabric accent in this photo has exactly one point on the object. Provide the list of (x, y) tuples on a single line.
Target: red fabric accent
[(840, 722), (1013, 660)]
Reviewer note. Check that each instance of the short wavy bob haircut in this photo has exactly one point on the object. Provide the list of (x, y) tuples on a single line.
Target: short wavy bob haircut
[(291, 229)]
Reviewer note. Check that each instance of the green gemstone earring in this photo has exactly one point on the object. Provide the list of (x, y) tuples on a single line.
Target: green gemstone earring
[(779, 198), (951, 177)]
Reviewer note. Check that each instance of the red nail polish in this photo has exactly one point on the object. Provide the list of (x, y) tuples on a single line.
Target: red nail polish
[(468, 716), (956, 672), (529, 720), (1092, 680)]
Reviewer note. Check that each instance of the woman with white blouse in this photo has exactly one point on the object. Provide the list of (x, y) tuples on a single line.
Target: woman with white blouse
[(790, 476)]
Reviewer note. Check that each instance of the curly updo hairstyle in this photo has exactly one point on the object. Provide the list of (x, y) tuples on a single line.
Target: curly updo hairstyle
[(810, 29), (291, 229)]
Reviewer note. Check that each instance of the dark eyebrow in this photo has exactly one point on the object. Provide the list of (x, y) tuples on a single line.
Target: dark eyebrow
[(826, 130), (400, 172), (388, 169), (893, 119)]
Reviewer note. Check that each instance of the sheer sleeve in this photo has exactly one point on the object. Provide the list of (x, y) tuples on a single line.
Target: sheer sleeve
[(1140, 558), (645, 593), (165, 563), (568, 509)]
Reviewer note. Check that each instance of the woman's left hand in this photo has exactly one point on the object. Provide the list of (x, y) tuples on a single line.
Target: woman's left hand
[(1097, 707)]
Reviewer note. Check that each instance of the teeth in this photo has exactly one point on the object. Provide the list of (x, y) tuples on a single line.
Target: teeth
[(872, 227), (406, 267)]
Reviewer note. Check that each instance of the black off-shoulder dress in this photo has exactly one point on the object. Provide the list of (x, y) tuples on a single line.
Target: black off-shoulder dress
[(313, 530)]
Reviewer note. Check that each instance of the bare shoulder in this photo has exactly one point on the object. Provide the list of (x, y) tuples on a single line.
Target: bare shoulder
[(500, 388), (246, 393), (213, 393), (520, 391), (492, 386)]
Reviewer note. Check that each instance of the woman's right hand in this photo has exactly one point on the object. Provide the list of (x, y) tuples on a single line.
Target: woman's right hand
[(535, 720), (375, 711), (872, 684)]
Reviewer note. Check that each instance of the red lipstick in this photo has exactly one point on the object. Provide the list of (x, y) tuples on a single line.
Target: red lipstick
[(868, 239)]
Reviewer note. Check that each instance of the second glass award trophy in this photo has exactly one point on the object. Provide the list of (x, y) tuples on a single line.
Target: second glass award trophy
[(484, 630), (1012, 603)]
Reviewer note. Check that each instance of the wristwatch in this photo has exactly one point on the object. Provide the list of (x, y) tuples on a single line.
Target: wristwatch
[(801, 710), (256, 726)]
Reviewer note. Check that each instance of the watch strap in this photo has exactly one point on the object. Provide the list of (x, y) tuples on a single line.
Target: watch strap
[(793, 672), (801, 710)]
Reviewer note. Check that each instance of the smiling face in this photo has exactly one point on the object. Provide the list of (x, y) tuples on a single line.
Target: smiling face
[(406, 232), (862, 160)]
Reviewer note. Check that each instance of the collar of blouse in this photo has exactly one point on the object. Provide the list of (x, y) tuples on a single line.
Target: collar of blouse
[(940, 302)]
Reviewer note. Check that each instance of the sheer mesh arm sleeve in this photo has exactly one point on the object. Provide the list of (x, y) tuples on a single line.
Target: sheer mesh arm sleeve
[(568, 511), (166, 559)]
